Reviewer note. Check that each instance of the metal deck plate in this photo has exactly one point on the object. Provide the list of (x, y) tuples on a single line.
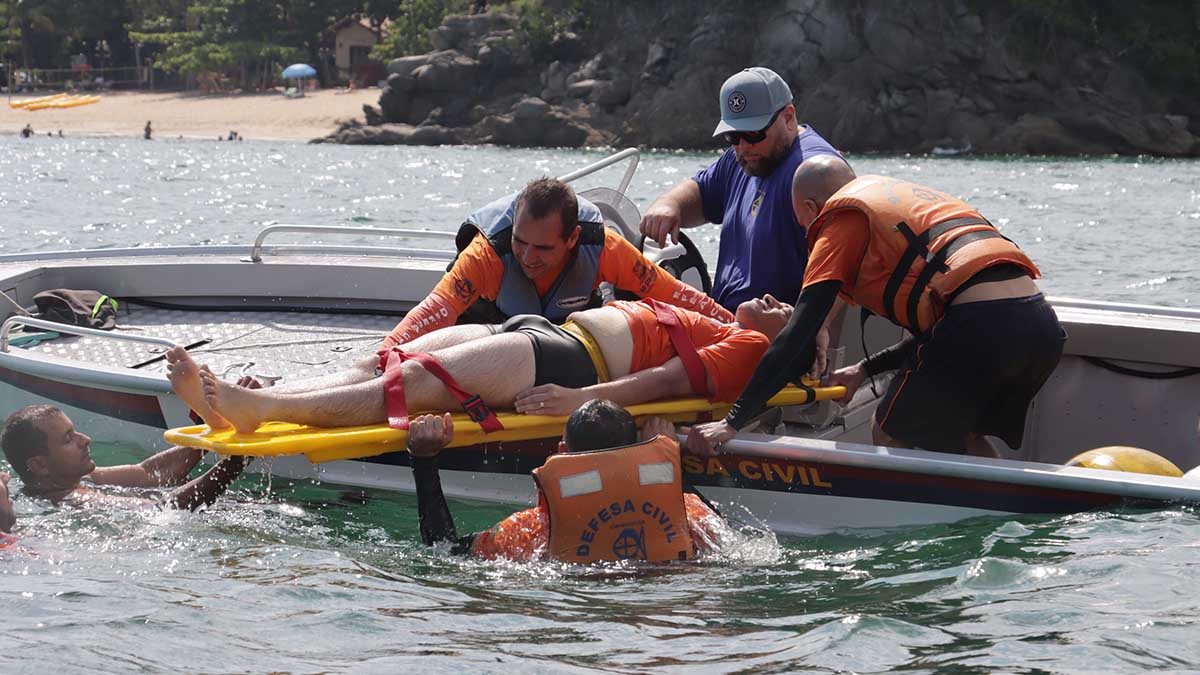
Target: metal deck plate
[(286, 345)]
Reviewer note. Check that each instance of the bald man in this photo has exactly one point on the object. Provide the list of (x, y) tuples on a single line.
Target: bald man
[(983, 342)]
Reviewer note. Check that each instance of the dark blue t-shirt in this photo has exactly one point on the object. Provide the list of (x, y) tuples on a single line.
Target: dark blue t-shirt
[(763, 249)]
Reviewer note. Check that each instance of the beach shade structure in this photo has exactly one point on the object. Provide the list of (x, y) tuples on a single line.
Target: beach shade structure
[(299, 71)]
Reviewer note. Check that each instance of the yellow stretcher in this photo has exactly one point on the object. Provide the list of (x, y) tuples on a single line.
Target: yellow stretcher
[(326, 445)]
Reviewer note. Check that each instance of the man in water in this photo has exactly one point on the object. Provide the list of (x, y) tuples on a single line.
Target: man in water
[(146, 133), (626, 514), (747, 190), (627, 352), (54, 461), (984, 339), (543, 251)]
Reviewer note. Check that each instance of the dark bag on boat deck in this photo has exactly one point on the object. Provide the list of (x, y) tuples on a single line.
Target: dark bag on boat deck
[(89, 309)]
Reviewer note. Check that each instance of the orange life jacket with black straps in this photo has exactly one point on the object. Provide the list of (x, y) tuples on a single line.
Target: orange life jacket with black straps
[(923, 245), (619, 504)]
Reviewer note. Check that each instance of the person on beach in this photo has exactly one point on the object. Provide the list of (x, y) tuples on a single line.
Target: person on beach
[(543, 251), (146, 133), (627, 352), (747, 190), (983, 342), (27, 131), (54, 461), (634, 507)]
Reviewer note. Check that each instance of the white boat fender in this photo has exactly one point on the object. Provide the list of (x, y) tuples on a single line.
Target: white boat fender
[(1126, 458)]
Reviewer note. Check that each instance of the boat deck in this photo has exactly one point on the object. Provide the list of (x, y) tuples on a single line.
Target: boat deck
[(268, 344)]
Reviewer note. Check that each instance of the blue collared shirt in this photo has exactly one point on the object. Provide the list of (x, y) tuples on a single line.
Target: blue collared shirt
[(763, 249)]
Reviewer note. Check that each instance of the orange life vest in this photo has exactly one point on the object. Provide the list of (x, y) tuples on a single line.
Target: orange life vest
[(923, 245), (619, 504)]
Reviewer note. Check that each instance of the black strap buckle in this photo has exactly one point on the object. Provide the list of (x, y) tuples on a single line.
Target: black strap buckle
[(476, 409)]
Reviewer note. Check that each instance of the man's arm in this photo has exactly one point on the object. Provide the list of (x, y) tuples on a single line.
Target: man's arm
[(427, 435), (669, 380), (165, 469), (203, 491), (789, 354), (476, 273), (626, 268), (681, 206), (851, 377)]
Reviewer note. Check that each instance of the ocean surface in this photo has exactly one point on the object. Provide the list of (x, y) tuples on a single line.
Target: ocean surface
[(287, 577)]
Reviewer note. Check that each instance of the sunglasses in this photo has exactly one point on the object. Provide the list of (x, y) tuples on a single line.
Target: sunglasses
[(751, 137)]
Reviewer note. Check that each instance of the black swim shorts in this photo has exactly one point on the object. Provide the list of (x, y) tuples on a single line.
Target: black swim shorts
[(558, 357), (975, 370)]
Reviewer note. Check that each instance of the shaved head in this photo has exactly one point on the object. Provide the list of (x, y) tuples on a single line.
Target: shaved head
[(815, 180)]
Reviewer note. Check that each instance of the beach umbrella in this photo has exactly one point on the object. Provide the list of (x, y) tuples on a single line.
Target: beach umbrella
[(299, 70)]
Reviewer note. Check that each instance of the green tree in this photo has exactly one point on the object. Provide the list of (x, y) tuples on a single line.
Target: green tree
[(412, 20)]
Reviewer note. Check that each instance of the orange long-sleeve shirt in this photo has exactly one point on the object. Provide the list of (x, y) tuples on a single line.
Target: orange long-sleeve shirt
[(728, 352), (478, 272)]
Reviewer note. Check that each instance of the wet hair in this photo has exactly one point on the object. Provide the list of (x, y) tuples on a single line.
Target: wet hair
[(23, 437), (547, 195), (599, 425)]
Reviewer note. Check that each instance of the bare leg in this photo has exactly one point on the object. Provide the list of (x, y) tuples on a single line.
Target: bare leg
[(184, 375), (365, 369), (447, 337), (496, 368)]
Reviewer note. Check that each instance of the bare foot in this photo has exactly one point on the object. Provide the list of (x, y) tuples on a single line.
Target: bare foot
[(184, 375), (244, 408)]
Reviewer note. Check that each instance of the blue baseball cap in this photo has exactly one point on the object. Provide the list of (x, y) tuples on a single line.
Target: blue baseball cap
[(750, 98)]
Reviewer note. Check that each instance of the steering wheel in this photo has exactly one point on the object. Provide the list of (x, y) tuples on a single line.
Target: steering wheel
[(690, 260)]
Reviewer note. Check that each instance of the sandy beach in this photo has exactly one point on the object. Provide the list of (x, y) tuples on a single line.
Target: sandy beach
[(195, 115)]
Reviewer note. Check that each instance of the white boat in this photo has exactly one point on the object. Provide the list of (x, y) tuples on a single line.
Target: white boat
[(1128, 377)]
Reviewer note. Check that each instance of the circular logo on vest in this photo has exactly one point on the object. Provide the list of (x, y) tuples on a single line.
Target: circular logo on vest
[(736, 102), (573, 303), (463, 288)]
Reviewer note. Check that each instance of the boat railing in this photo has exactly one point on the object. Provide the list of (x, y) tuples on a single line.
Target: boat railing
[(13, 321), (257, 249), (628, 154)]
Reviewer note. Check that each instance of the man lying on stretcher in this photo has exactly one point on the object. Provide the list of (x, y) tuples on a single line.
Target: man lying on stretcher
[(626, 352)]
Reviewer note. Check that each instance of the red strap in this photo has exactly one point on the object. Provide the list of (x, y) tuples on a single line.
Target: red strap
[(393, 387), (683, 344), (397, 405)]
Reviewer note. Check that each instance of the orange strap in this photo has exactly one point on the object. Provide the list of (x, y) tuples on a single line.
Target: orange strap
[(683, 344), (397, 404)]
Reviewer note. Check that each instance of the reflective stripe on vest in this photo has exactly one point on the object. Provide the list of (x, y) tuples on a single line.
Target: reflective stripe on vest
[(619, 504), (923, 245), (571, 292)]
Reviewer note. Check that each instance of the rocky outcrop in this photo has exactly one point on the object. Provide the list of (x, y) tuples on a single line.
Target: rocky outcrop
[(902, 77)]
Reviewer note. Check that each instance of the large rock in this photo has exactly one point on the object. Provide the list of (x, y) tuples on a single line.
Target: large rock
[(461, 30), (405, 65), (448, 71), (1038, 134), (870, 77), (397, 134)]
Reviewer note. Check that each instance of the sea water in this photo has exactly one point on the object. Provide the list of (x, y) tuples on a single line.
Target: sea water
[(302, 578)]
